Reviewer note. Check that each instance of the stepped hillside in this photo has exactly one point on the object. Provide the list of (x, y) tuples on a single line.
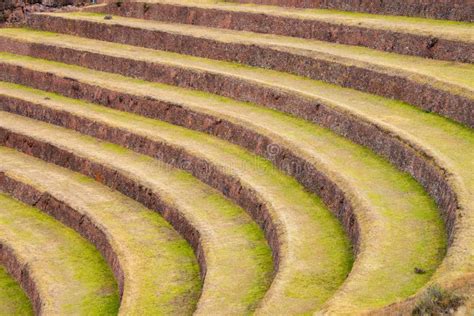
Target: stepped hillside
[(267, 157)]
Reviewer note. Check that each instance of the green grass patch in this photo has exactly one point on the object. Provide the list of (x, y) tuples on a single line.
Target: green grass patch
[(13, 300)]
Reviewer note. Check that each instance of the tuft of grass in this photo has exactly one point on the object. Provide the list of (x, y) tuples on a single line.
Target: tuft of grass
[(438, 301)]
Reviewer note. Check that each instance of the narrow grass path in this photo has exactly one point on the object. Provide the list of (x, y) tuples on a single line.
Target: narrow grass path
[(13, 300), (69, 274), (160, 273), (392, 207), (237, 257)]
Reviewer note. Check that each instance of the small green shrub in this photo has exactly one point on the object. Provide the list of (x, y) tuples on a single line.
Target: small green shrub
[(437, 301)]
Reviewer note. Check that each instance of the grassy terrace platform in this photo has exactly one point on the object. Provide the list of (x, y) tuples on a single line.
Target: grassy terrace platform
[(154, 266), (62, 272), (422, 130), (368, 173)]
